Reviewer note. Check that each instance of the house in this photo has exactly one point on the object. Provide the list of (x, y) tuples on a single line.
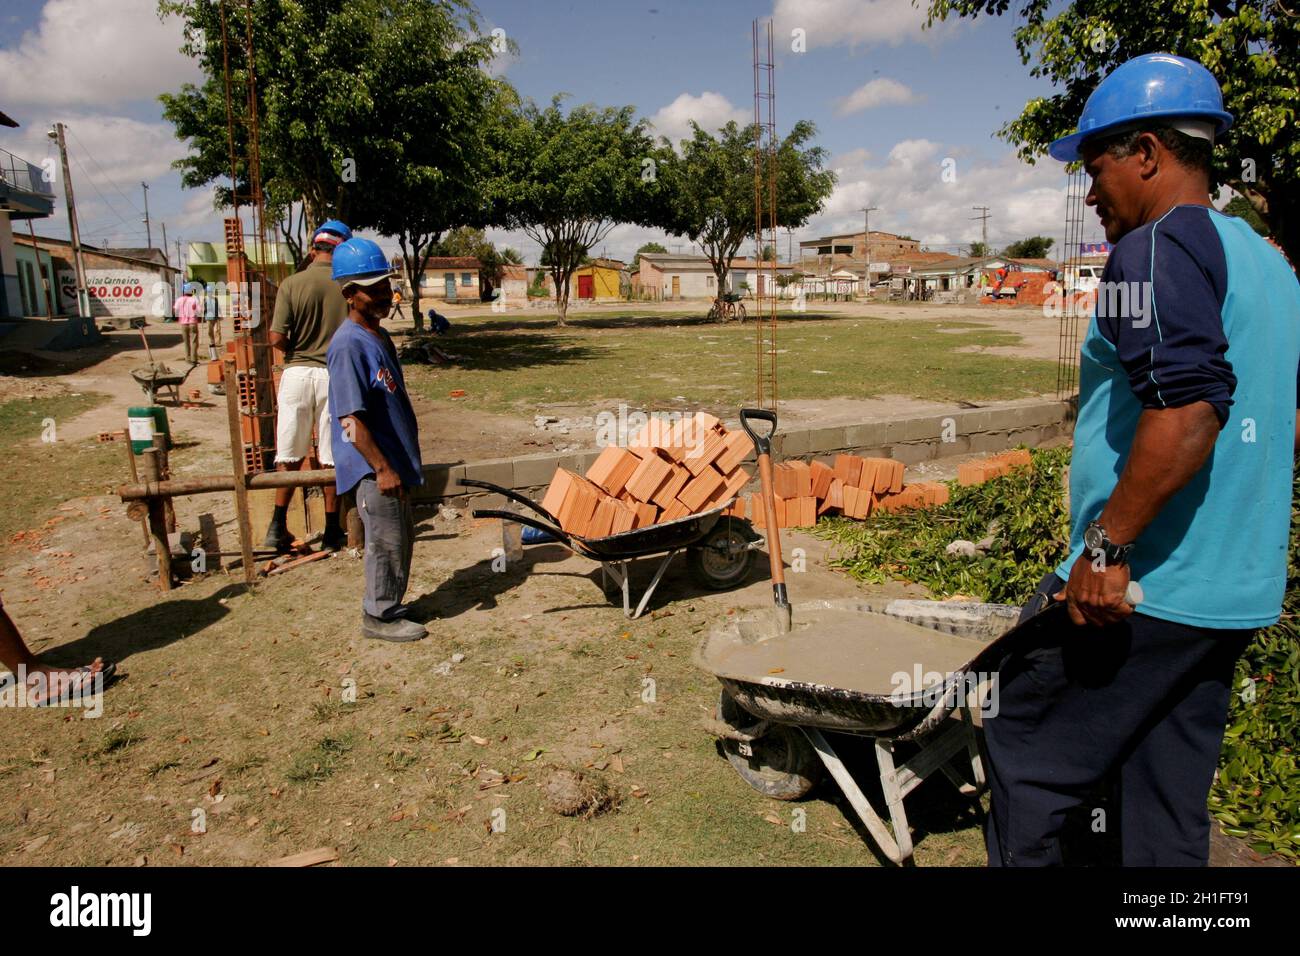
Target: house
[(206, 261), (673, 277), (514, 285), (451, 278), (598, 280), (831, 252), (132, 283), (26, 193)]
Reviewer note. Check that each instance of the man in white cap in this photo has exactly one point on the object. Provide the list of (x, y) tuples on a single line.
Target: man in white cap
[(1180, 480), (308, 309)]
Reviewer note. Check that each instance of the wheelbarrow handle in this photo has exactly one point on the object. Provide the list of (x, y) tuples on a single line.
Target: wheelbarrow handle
[(560, 536), (512, 495), (762, 443)]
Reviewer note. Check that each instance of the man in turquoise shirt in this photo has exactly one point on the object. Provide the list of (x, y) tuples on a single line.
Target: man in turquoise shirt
[(1180, 480)]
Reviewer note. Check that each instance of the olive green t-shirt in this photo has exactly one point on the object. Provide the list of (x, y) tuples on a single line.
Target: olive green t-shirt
[(308, 308)]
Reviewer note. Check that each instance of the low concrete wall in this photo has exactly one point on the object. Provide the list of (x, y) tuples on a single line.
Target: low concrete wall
[(911, 440)]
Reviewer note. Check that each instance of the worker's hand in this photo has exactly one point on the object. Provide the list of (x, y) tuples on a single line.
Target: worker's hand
[(389, 482), (1096, 592)]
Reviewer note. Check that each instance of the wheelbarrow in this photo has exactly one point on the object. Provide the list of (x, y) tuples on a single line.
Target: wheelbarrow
[(897, 672), (158, 376), (719, 549)]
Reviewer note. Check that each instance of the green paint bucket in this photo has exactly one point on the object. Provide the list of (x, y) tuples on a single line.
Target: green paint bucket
[(142, 421)]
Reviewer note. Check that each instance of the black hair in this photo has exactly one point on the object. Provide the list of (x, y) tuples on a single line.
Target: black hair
[(1192, 152)]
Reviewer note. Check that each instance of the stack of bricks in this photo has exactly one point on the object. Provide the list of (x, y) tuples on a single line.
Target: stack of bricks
[(670, 470), (977, 472), (855, 487)]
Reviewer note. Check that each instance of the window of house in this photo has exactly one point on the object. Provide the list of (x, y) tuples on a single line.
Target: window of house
[(467, 278), (709, 281)]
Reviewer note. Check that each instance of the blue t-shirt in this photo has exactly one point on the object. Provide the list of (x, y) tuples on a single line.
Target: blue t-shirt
[(1196, 307), (366, 381)]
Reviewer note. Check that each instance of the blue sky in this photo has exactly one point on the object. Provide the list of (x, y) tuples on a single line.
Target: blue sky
[(891, 103)]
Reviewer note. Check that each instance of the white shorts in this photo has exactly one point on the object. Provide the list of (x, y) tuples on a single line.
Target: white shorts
[(304, 402)]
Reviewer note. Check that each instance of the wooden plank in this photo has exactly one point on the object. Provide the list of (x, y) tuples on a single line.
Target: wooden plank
[(325, 854)]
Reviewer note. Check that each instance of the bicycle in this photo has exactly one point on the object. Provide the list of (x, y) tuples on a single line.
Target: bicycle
[(727, 307)]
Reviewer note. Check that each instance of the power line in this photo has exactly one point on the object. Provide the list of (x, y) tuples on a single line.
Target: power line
[(107, 178)]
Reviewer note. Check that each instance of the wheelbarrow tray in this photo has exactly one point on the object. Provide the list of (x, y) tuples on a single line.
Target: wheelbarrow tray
[(637, 543), (865, 685), (159, 375)]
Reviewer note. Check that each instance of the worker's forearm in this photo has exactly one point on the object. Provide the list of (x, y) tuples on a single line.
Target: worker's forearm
[(1170, 446), (279, 347), (364, 442)]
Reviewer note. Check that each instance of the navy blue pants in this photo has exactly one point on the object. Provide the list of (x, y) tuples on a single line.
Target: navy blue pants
[(1145, 700)]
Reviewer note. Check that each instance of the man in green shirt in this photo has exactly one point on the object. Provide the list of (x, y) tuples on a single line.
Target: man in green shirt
[(308, 308)]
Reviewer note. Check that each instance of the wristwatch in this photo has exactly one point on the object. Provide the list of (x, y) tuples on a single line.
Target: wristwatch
[(1095, 539)]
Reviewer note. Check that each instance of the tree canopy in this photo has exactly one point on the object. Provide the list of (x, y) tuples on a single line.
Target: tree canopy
[(566, 179), (378, 112), (712, 187), (1032, 247), (1251, 46)]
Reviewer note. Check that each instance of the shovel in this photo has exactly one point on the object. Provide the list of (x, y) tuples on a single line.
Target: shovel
[(763, 447)]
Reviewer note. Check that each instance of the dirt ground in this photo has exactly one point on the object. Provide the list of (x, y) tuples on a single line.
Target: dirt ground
[(249, 726)]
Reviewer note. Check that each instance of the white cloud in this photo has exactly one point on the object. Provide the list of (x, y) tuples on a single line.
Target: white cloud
[(88, 53), (855, 22), (910, 152), (710, 110), (914, 199), (878, 92), (107, 149)]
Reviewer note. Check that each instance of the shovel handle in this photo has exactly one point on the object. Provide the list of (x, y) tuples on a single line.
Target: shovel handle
[(763, 442)]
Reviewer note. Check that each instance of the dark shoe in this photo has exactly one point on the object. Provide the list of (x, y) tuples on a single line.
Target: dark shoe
[(334, 542), (278, 539), (399, 630)]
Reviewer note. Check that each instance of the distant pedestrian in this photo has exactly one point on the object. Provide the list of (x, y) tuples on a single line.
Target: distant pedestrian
[(187, 313)]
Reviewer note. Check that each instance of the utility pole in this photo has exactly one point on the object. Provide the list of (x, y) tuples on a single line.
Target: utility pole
[(984, 225), (166, 258), (148, 235), (866, 241), (83, 296)]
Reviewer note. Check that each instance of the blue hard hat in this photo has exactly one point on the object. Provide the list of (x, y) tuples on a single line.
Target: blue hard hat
[(1147, 87), (334, 227), (359, 261)]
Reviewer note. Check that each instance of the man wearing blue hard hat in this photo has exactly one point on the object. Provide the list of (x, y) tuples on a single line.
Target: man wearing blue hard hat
[(308, 308), (1180, 480), (376, 440)]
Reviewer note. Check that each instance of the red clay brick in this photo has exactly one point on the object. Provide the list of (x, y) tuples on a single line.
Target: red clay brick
[(737, 447), (698, 489)]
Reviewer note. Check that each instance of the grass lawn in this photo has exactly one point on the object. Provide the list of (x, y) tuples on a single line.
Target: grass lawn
[(648, 359), (39, 476)]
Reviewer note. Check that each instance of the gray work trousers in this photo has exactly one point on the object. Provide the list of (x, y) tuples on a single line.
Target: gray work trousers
[(390, 539)]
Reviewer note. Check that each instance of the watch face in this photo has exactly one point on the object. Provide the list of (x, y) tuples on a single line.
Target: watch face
[(1093, 537)]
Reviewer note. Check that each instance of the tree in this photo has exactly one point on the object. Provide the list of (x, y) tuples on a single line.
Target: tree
[(374, 111), (1240, 207), (978, 250), (1034, 247), (712, 188), (1251, 46), (567, 179), (768, 254), (651, 247)]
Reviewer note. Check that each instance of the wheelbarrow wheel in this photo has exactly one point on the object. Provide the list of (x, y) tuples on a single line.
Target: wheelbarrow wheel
[(722, 560), (781, 764)]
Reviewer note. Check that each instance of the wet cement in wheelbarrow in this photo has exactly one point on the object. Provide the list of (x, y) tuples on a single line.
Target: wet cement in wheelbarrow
[(852, 650)]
